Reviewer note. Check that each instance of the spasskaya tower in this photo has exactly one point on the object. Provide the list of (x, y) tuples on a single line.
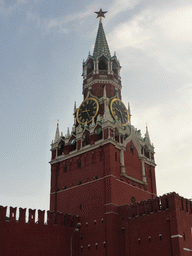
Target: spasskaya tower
[(103, 162)]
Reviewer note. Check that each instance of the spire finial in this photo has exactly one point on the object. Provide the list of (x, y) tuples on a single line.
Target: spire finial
[(101, 46), (100, 14)]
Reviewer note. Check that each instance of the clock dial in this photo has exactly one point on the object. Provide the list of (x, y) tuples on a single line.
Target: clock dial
[(87, 110), (118, 109)]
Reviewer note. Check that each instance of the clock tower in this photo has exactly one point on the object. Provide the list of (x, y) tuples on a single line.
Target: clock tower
[(103, 162)]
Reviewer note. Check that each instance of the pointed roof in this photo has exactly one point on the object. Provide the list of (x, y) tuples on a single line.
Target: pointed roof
[(147, 135), (101, 45), (57, 134)]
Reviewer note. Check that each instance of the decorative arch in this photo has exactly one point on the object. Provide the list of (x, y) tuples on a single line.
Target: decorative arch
[(98, 133), (135, 141), (115, 67), (103, 63), (72, 143), (146, 151), (90, 66), (86, 138), (61, 146)]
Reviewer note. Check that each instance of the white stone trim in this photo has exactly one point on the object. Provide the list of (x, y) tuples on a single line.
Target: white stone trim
[(111, 212), (83, 184), (174, 236), (104, 81), (112, 204), (186, 249), (137, 187), (86, 149)]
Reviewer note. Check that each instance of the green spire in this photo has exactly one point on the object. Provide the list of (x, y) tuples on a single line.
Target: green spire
[(101, 45)]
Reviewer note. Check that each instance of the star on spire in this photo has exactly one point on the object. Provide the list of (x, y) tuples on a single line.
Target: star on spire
[(100, 14)]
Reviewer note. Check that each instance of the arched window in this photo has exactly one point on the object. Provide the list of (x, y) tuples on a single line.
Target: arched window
[(103, 63), (146, 152), (98, 132), (115, 67), (90, 66), (61, 148), (72, 143), (86, 138)]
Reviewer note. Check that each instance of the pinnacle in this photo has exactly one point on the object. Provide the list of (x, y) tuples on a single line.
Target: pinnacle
[(57, 134)]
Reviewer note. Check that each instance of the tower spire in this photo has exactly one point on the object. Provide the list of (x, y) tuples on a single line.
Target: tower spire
[(101, 45)]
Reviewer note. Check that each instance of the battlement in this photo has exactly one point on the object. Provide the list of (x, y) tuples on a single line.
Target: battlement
[(53, 218), (170, 201)]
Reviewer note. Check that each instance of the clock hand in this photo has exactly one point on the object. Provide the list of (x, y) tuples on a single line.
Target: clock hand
[(88, 113), (120, 113), (85, 110)]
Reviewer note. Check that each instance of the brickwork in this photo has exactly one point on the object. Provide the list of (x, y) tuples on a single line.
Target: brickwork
[(29, 237)]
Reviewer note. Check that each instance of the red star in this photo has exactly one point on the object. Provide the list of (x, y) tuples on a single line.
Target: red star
[(100, 13)]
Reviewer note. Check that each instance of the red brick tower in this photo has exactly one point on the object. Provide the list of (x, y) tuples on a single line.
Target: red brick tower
[(103, 162)]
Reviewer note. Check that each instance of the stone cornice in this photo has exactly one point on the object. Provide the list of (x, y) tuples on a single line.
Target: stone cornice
[(133, 179), (102, 81), (88, 148)]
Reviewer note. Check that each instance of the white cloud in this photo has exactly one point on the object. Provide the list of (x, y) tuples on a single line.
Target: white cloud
[(121, 6), (170, 130), (164, 35)]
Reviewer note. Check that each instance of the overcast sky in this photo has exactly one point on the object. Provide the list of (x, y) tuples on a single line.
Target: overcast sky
[(42, 47)]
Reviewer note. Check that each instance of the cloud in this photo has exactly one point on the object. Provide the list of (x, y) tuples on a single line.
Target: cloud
[(121, 6), (170, 130), (76, 21), (164, 35)]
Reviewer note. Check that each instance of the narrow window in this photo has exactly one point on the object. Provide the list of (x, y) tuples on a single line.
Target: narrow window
[(149, 239), (139, 241), (160, 237), (79, 163), (96, 245), (65, 168)]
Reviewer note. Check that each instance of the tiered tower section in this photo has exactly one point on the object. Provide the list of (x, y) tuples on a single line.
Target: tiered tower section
[(101, 69)]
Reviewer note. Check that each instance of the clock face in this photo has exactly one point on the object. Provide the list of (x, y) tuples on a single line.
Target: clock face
[(87, 110), (118, 109)]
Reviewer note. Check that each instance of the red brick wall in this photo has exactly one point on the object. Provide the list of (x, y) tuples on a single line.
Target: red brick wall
[(36, 239)]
